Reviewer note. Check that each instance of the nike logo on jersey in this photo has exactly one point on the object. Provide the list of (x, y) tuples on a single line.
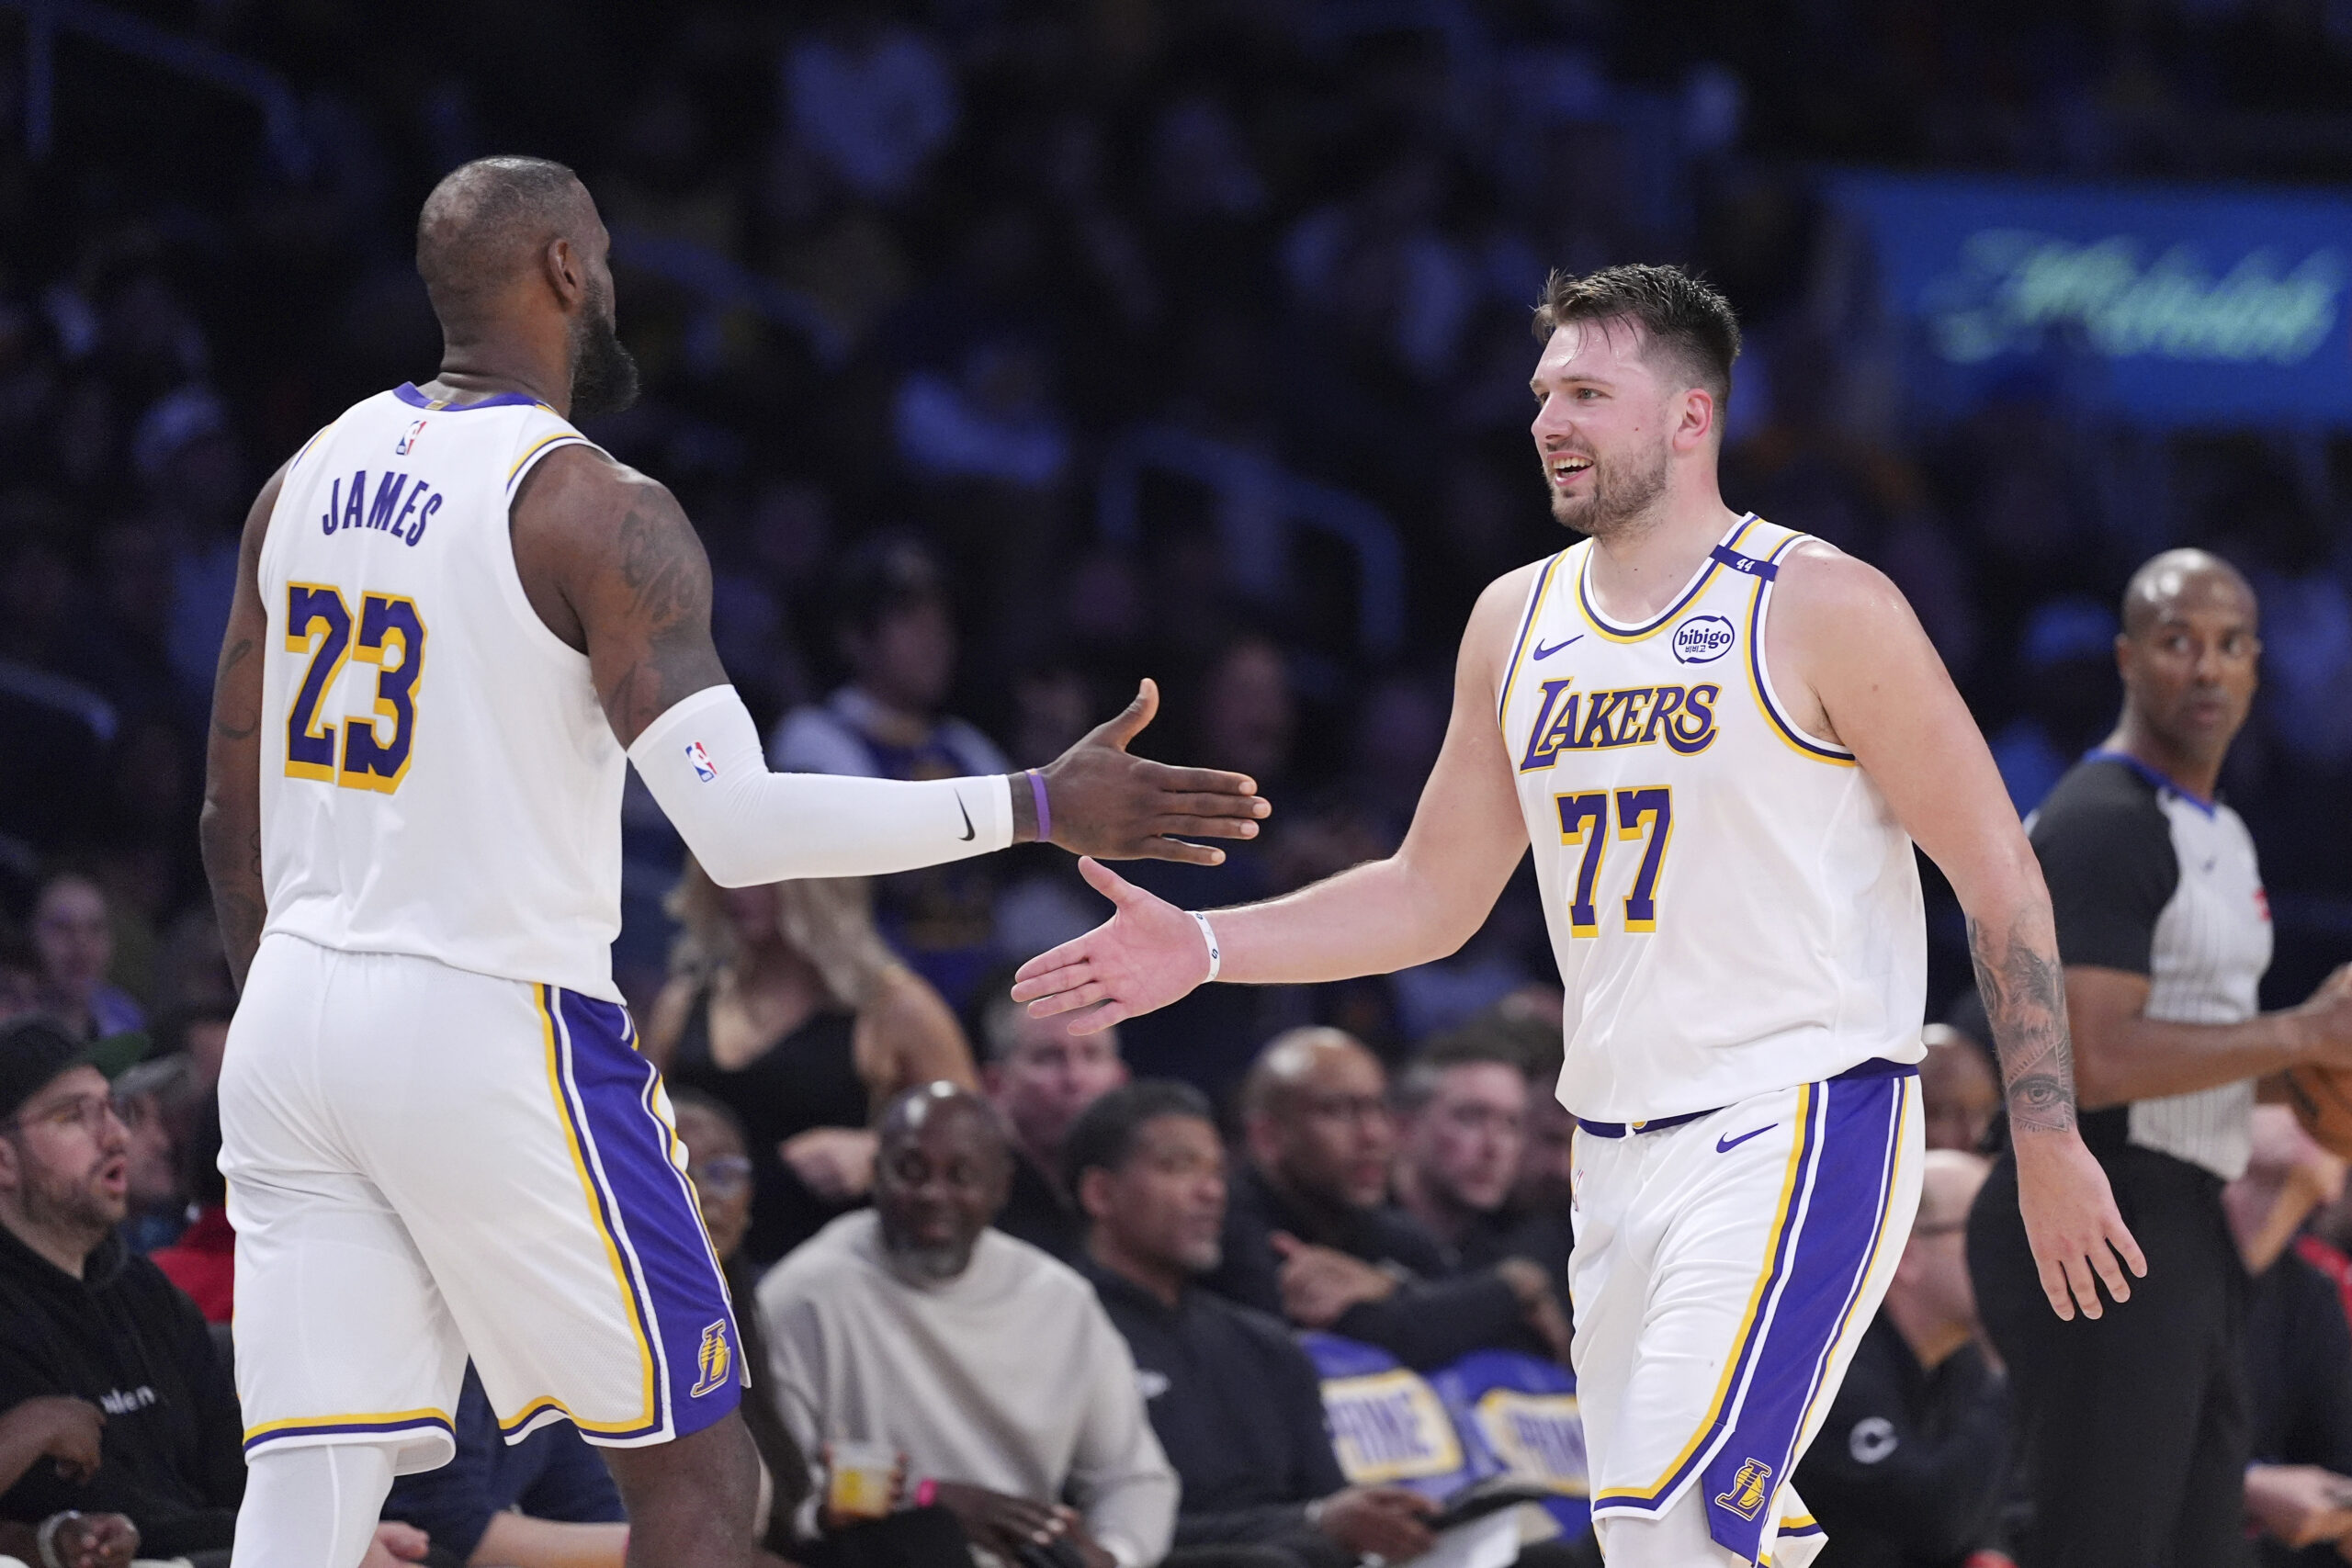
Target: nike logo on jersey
[(1543, 652), (968, 818), (1725, 1145)]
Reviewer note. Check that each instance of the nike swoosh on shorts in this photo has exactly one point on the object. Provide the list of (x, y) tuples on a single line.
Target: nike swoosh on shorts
[(1724, 1146)]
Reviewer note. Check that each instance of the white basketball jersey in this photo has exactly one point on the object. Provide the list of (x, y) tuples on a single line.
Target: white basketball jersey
[(438, 777), (1733, 905)]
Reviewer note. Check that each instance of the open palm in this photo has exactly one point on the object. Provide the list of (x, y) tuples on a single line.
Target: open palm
[(1145, 955)]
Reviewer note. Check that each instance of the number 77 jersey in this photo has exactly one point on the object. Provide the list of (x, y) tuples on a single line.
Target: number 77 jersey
[(1734, 907), (438, 777)]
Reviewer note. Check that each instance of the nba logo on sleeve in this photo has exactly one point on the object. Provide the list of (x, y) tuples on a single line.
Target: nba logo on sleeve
[(409, 440), (704, 769)]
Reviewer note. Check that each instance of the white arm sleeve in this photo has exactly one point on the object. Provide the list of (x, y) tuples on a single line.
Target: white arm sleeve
[(702, 761)]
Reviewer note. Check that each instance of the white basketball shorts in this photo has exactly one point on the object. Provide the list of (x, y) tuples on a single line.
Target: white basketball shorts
[(1726, 1268), (426, 1164)]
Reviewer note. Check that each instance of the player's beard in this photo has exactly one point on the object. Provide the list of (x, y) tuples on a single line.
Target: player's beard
[(1622, 490), (604, 372)]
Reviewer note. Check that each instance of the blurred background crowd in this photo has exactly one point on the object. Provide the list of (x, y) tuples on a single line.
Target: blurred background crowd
[(1005, 351)]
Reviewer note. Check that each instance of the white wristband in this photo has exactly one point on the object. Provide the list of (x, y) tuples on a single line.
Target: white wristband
[(1216, 954)]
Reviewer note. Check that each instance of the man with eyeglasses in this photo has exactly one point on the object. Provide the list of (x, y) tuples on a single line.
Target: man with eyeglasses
[(1309, 1235), (1909, 1468), (89, 1330)]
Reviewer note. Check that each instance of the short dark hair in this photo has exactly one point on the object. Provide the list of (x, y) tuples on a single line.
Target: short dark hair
[(888, 572), (1104, 1133), (1417, 1085), (1680, 314)]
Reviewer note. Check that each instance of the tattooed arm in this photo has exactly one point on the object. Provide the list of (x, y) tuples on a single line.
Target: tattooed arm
[(1842, 640), (2025, 998), (229, 826)]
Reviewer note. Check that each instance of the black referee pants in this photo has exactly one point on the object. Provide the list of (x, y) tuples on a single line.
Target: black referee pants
[(2131, 1431)]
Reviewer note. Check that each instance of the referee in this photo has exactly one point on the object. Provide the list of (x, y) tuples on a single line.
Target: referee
[(2132, 1427)]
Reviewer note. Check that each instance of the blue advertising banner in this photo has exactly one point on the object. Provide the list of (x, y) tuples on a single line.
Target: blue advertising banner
[(2165, 305)]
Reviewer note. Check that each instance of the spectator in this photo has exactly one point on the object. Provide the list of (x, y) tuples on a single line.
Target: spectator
[(1041, 1078), (155, 1097), (64, 1432), (203, 1261), (83, 1318), (874, 103), (722, 1178), (74, 937), (1913, 1459), (1309, 1235), (1959, 1094), (544, 1502), (1462, 1110), (785, 1006), (917, 1326), (1235, 1403), (896, 633), (2298, 1351), (199, 1031)]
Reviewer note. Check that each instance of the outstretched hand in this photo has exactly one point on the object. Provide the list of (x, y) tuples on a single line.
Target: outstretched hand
[(1145, 955), (1107, 802), (2072, 1223)]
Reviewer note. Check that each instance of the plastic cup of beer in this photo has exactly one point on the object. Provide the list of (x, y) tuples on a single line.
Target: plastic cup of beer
[(858, 1479)]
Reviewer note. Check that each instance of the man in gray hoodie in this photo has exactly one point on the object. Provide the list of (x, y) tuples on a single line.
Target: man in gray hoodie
[(989, 1367)]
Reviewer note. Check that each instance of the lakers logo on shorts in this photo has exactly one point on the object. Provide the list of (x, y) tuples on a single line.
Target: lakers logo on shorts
[(716, 1360), (1746, 1494)]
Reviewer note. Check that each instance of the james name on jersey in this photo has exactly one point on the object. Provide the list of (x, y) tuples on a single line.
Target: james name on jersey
[(387, 511)]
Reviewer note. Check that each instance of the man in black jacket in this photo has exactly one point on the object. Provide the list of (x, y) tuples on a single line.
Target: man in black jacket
[(83, 1318), (1911, 1463), (1309, 1236), (1236, 1405)]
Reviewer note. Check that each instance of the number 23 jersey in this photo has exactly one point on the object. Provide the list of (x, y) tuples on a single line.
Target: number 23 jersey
[(1734, 907), (438, 777)]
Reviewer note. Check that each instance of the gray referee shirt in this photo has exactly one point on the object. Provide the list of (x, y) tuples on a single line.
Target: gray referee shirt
[(2145, 878)]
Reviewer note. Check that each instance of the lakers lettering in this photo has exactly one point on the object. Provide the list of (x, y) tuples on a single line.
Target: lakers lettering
[(1569, 720)]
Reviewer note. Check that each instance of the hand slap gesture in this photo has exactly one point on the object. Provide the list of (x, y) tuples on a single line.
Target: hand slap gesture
[(1145, 955), (1104, 801)]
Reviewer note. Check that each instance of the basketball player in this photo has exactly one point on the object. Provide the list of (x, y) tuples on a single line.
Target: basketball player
[(1722, 739), (455, 619)]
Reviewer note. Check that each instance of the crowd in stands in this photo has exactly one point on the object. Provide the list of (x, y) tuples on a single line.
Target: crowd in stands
[(1003, 352), (1232, 1336)]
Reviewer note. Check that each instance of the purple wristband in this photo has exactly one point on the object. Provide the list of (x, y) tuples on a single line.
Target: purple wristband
[(1045, 812)]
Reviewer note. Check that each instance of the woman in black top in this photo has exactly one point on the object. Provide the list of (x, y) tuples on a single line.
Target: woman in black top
[(785, 1006)]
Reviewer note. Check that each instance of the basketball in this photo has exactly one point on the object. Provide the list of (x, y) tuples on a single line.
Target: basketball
[(2323, 1100)]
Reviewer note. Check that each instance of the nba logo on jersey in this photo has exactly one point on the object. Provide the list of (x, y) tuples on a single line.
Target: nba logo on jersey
[(409, 440), (1746, 1492), (714, 1361), (704, 768)]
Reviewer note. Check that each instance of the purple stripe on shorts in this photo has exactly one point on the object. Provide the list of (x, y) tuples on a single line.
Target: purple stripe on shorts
[(1853, 1185), (680, 1294)]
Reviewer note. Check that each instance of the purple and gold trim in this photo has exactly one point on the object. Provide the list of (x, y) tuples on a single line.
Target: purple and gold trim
[(317, 1427), (1759, 678), (1526, 629), (1698, 585)]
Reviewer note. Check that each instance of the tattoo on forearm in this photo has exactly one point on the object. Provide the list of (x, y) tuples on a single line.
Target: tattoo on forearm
[(2025, 998)]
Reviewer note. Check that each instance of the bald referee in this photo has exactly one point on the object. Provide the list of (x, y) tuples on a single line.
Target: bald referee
[(2132, 1425)]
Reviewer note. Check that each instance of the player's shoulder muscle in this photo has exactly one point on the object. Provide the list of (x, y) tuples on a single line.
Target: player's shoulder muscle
[(586, 525), (1828, 604)]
